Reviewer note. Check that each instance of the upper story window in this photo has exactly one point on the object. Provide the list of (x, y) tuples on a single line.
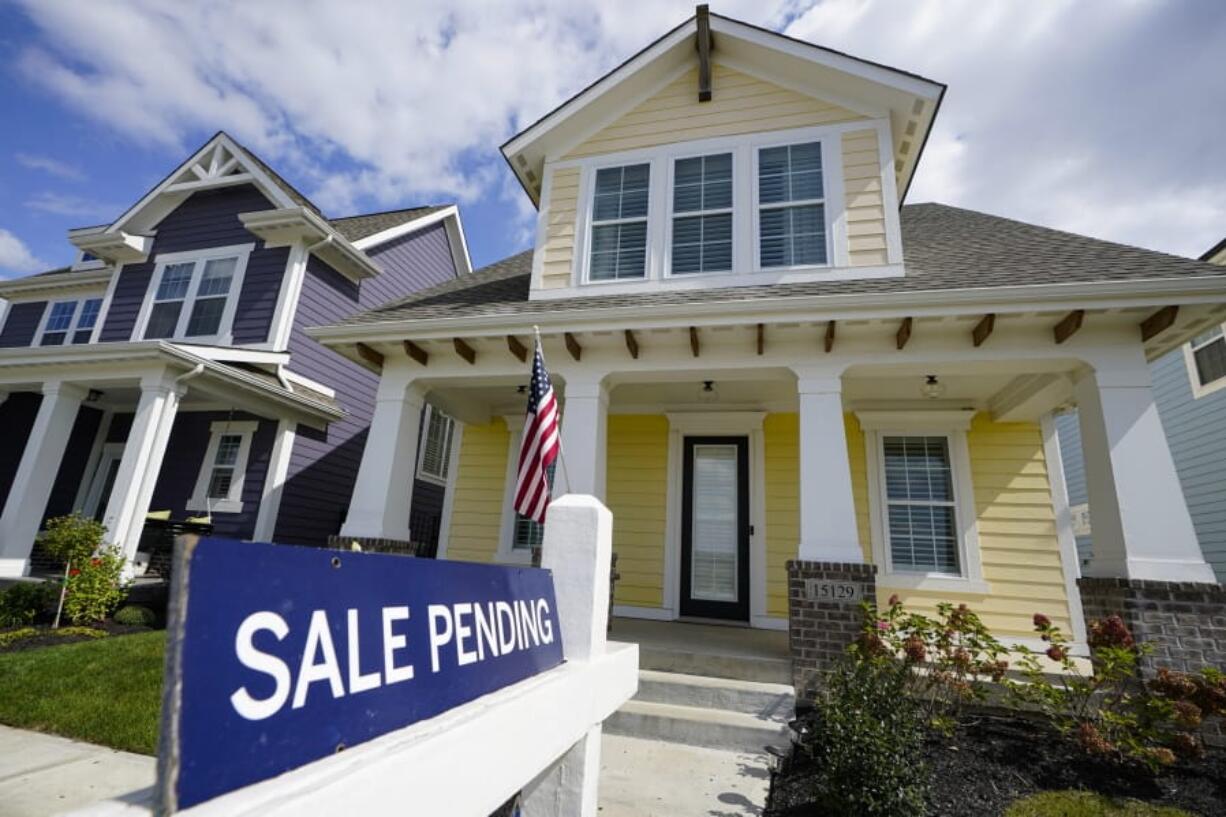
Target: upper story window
[(70, 322), (434, 461), (791, 206), (619, 223), (1206, 357), (702, 214), (194, 295)]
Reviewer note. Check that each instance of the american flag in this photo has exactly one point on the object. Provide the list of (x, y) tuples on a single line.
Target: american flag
[(539, 446)]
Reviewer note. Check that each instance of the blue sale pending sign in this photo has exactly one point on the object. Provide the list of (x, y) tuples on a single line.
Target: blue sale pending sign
[(282, 655)]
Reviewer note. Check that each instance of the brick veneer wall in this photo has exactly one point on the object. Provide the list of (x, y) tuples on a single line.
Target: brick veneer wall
[(819, 631), (1185, 622)]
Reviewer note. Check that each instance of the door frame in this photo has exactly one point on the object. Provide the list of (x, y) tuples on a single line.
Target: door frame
[(733, 611), (715, 424), (110, 452)]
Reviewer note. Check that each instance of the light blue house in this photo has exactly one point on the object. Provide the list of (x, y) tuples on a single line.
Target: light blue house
[(1190, 390)]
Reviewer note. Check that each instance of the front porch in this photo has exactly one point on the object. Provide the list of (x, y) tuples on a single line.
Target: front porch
[(149, 430)]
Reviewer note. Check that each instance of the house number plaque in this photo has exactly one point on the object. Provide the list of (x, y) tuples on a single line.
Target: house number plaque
[(816, 590)]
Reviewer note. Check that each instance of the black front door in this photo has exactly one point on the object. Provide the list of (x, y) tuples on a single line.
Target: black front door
[(715, 528)]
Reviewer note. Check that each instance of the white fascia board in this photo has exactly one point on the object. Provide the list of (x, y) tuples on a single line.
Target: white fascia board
[(117, 247), (999, 300), (34, 284), (230, 354), (283, 226)]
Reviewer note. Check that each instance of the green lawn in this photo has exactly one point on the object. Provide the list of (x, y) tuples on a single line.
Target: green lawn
[(107, 691), (1084, 804)]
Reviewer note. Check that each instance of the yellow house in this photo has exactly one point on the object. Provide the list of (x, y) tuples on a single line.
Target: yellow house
[(790, 388)]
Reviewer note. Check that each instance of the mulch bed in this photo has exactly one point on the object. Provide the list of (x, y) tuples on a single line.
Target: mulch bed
[(47, 638), (990, 762)]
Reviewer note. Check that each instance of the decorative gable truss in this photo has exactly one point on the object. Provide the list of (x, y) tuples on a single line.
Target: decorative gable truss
[(222, 167)]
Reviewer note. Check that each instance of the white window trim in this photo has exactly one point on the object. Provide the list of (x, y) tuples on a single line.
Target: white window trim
[(76, 319), (422, 474), (225, 329), (746, 267), (1199, 389), (506, 553), (233, 503), (953, 426)]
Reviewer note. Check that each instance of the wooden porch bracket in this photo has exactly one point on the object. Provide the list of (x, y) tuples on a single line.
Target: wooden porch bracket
[(702, 16), (369, 355), (983, 329), (632, 345), (761, 338), (1158, 322), (829, 337), (464, 350), (904, 334), (1068, 325), (572, 346), (416, 352), (695, 346), (517, 348)]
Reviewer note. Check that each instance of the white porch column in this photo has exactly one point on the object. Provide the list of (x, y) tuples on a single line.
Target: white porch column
[(1142, 528), (128, 504), (828, 530), (383, 492), (274, 481), (584, 436), (31, 489)]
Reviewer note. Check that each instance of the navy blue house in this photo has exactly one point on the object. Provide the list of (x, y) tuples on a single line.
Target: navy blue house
[(167, 375), (1190, 391)]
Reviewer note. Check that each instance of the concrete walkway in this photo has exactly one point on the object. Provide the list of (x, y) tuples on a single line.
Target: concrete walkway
[(44, 775)]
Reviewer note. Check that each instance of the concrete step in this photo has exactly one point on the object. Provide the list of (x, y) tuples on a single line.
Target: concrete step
[(696, 726), (770, 701), (716, 665)]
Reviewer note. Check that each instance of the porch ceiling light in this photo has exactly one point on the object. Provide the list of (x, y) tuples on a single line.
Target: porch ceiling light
[(93, 396), (933, 389), (708, 393)]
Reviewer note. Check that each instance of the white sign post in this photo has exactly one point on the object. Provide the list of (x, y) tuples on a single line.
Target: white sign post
[(540, 736)]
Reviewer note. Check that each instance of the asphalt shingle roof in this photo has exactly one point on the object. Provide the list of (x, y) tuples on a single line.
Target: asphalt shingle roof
[(945, 248), (355, 228)]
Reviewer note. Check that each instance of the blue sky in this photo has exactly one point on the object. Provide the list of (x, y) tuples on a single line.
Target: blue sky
[(1099, 118)]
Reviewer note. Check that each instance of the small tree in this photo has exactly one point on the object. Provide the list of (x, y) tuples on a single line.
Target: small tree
[(91, 586)]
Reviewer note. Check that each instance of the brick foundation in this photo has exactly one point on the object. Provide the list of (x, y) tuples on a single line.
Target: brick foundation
[(820, 629), (372, 545), (1185, 622)]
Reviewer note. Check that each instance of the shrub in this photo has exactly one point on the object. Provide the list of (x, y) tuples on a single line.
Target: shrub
[(84, 632), (1194, 699), (72, 539), (93, 589), (22, 603), (949, 658), (11, 637), (1106, 713), (868, 740), (133, 615)]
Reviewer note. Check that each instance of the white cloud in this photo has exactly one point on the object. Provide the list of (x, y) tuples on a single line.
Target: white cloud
[(67, 204), (54, 167), (1102, 118), (15, 257)]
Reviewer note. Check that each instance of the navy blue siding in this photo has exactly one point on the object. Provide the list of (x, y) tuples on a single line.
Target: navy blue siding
[(72, 468), (22, 323), (121, 424), (17, 420), (324, 466), (207, 219), (185, 451)]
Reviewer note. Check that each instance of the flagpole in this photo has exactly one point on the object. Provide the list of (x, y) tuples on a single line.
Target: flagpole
[(561, 451)]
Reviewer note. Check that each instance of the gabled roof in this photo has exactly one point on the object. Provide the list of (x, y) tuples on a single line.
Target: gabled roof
[(1216, 254), (356, 228), (947, 249), (909, 100)]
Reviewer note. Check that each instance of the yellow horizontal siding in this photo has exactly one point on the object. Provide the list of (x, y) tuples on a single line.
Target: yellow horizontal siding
[(862, 196), (740, 104), (476, 510), (637, 488), (559, 240), (1017, 533)]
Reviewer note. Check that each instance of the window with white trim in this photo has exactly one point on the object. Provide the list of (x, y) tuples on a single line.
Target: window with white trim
[(66, 323), (921, 511), (219, 486), (193, 295), (618, 245), (1209, 356), (791, 206), (434, 461), (702, 214)]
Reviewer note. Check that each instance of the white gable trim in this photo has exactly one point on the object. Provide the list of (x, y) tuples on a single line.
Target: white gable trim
[(455, 235)]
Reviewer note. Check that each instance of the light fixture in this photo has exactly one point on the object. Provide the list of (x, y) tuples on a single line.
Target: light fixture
[(93, 396), (932, 388), (521, 389), (708, 393)]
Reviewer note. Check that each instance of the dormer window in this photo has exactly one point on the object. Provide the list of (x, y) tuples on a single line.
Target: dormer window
[(702, 214), (791, 206), (70, 322), (193, 295), (619, 223)]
